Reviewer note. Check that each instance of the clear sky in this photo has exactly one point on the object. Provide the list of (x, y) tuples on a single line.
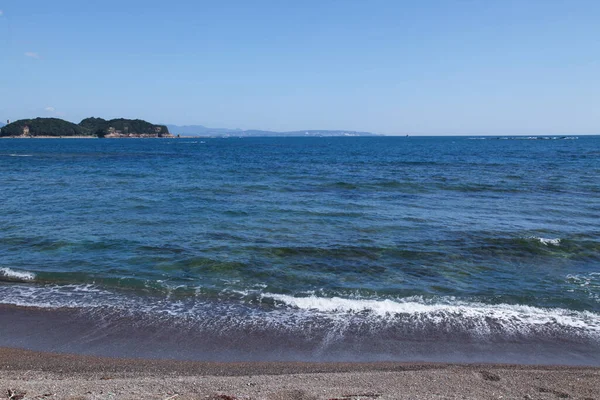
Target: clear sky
[(392, 67)]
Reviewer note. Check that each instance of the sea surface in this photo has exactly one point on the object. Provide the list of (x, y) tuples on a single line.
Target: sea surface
[(315, 249)]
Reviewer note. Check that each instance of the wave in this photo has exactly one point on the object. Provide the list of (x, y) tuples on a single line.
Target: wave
[(327, 319), (589, 284), (312, 266), (11, 275), (408, 187), (475, 188), (481, 318), (437, 252), (574, 248), (546, 241)]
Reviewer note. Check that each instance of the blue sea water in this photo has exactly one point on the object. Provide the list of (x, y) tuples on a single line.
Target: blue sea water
[(366, 248)]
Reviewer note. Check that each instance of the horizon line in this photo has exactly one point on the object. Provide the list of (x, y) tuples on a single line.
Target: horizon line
[(337, 130)]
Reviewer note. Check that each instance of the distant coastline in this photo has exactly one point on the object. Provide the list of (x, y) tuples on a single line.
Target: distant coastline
[(203, 131)]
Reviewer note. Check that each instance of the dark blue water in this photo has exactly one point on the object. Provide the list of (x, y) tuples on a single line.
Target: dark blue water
[(311, 248)]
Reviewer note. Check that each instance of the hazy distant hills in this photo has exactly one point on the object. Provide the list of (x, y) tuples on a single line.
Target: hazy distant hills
[(199, 130)]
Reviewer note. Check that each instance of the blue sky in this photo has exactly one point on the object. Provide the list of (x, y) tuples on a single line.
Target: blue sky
[(393, 67)]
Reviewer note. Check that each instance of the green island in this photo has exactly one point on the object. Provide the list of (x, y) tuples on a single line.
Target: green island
[(89, 127)]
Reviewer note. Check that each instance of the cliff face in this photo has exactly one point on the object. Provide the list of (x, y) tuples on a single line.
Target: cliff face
[(114, 128), (42, 127)]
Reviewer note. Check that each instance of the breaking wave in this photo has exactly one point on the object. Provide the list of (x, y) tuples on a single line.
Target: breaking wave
[(546, 241), (401, 318), (11, 275), (448, 314)]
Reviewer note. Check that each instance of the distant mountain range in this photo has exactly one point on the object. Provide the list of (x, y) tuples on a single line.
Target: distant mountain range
[(200, 130)]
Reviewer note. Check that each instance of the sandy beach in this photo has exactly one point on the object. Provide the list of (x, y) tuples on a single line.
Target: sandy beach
[(36, 375)]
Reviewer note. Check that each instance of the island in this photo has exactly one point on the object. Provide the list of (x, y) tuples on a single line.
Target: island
[(89, 127)]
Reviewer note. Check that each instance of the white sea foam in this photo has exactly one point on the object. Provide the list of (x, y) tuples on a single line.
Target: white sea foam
[(586, 283), (591, 279), (546, 241), (412, 315), (15, 275), (511, 317), (20, 155), (60, 296)]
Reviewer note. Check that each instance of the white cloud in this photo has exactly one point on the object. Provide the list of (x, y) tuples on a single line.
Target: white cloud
[(32, 55), (50, 109)]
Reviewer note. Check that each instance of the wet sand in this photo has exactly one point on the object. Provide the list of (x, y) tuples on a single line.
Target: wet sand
[(37, 375)]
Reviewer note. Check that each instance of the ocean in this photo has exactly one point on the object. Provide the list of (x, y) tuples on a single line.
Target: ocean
[(451, 249)]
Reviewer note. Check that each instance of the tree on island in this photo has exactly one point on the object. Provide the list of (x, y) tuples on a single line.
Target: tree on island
[(92, 124)]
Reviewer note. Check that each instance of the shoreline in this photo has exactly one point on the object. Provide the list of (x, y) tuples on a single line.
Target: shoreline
[(114, 333), (66, 376)]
